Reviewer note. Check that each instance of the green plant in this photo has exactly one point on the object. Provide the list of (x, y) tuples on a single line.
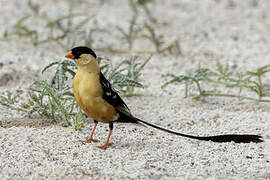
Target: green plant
[(61, 30), (143, 4), (10, 100), (222, 76), (151, 35), (134, 70), (21, 30), (34, 7), (131, 35), (55, 99), (89, 35), (63, 69), (68, 29), (158, 41), (124, 76), (258, 85), (49, 101), (193, 77), (78, 122)]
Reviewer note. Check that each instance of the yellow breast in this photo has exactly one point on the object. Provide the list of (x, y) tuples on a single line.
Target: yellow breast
[(88, 94)]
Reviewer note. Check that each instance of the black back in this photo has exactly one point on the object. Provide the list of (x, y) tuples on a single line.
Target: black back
[(110, 95), (113, 98)]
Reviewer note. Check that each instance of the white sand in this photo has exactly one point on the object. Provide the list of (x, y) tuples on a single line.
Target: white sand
[(236, 32)]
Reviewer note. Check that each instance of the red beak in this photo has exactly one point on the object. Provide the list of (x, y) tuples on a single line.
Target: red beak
[(70, 55)]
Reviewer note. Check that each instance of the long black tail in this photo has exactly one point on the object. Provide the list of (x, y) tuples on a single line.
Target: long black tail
[(238, 138)]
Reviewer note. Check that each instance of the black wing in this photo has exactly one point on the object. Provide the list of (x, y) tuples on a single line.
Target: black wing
[(110, 95), (113, 98)]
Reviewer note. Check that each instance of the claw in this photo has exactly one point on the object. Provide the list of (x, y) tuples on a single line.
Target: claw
[(89, 140), (107, 141), (105, 146)]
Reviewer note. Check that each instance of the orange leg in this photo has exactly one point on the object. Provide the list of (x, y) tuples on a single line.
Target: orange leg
[(90, 139), (104, 146)]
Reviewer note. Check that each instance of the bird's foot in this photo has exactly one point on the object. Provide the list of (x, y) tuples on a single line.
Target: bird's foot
[(105, 146), (89, 140)]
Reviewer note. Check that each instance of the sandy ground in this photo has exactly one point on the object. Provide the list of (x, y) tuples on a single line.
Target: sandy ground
[(236, 32)]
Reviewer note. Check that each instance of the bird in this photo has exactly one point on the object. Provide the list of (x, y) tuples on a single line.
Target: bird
[(100, 101)]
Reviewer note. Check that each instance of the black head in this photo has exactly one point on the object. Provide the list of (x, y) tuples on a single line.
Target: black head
[(78, 51)]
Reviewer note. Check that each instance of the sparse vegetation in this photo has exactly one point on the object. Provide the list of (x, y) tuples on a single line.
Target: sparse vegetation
[(250, 81), (55, 99), (61, 30), (125, 76), (145, 30), (69, 29)]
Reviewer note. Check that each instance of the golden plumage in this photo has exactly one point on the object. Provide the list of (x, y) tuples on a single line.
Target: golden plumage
[(96, 97), (88, 92)]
